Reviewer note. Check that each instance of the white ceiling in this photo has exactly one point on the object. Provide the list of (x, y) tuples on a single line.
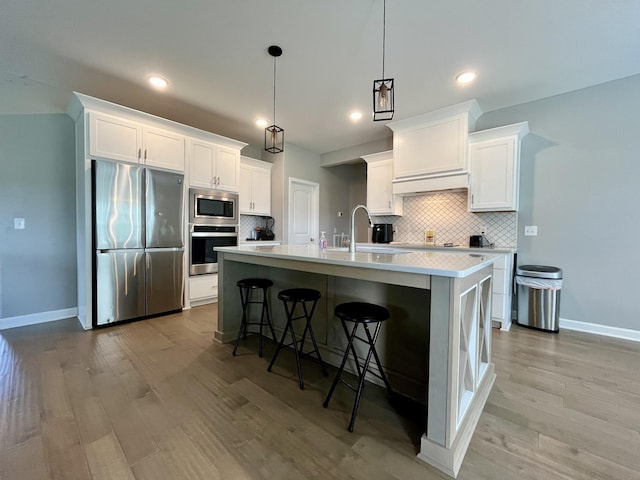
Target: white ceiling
[(214, 53)]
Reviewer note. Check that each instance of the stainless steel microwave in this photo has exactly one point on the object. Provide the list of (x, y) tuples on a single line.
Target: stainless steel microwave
[(213, 207)]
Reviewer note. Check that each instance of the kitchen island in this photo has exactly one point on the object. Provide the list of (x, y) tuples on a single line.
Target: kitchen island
[(436, 347)]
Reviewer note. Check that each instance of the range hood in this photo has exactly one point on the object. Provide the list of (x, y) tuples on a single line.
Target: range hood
[(430, 151)]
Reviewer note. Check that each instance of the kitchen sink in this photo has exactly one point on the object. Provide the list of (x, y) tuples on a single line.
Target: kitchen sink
[(366, 249)]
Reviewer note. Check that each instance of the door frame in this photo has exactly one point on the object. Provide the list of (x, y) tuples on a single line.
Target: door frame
[(315, 207)]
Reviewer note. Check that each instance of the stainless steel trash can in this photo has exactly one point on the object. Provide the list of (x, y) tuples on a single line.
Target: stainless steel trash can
[(538, 290)]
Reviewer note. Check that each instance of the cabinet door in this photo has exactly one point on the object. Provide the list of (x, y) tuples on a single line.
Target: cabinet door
[(202, 164), (261, 191), (227, 169), (379, 187), (244, 190), (163, 149), (432, 149), (114, 138), (493, 175)]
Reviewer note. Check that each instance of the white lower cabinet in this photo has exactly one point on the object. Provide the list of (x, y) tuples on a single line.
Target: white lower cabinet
[(203, 289), (501, 291)]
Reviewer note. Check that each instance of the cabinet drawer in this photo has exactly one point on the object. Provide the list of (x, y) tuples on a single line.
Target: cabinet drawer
[(203, 286)]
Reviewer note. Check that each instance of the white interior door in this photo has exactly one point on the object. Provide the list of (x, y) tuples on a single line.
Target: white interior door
[(304, 217)]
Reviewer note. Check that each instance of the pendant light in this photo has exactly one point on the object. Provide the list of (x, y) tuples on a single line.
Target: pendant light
[(383, 89), (274, 135)]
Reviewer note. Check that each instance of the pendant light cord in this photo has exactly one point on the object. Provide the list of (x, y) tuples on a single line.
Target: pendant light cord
[(384, 32), (274, 90)]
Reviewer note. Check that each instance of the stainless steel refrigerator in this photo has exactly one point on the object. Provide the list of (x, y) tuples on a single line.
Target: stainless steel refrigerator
[(138, 242)]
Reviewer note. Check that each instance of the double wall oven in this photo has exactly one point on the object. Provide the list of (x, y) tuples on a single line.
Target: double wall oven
[(213, 222)]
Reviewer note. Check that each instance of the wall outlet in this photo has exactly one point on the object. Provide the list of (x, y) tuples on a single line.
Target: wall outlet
[(18, 223), (485, 230), (530, 231)]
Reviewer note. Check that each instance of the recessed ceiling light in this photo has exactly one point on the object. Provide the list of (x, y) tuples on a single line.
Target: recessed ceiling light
[(261, 123), (157, 81), (355, 116), (465, 77)]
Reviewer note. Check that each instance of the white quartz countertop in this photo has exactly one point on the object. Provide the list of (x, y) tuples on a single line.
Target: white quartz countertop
[(457, 248), (433, 262), (257, 243)]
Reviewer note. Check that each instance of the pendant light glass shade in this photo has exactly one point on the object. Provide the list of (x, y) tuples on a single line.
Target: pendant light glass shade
[(383, 106), (383, 99), (274, 135), (274, 139)]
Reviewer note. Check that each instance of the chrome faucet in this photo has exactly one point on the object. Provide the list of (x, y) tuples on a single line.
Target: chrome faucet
[(352, 242)]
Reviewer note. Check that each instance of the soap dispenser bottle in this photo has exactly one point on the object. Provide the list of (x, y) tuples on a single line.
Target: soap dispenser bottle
[(323, 241)]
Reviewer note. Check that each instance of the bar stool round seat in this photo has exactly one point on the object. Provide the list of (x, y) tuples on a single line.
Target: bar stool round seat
[(255, 283), (247, 286), (299, 295), (360, 314), (291, 298)]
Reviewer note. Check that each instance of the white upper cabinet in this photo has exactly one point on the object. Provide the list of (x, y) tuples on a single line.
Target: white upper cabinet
[(495, 168), (255, 187), (114, 138), (227, 169), (380, 197), (213, 166), (128, 141), (162, 148), (430, 150)]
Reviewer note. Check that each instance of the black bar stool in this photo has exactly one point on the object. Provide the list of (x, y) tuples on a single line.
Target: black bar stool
[(359, 313), (295, 296), (246, 286)]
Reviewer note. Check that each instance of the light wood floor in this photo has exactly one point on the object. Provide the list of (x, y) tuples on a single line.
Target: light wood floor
[(158, 400)]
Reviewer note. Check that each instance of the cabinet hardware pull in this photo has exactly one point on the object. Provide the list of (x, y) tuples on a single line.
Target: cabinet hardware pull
[(145, 153), (139, 153)]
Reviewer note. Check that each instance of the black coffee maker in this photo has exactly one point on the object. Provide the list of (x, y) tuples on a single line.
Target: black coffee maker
[(382, 233), (266, 232)]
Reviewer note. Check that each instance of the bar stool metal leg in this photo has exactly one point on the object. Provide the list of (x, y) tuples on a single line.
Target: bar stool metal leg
[(244, 297), (246, 286), (360, 314), (291, 299)]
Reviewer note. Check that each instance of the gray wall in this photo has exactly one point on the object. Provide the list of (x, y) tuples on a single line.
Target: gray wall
[(339, 187), (37, 182), (580, 184)]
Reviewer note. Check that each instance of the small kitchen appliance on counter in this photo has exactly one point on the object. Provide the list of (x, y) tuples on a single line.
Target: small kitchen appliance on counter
[(382, 233), (479, 241), (266, 232)]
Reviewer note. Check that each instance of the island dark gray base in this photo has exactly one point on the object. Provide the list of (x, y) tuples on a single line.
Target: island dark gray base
[(437, 344)]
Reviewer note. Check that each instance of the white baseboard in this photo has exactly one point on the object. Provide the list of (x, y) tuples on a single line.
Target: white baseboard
[(624, 333), (34, 318)]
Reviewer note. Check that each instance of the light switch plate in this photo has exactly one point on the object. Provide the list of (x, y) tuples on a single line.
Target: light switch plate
[(530, 231), (18, 223)]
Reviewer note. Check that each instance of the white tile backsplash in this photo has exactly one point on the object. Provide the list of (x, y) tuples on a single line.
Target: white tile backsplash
[(247, 224), (446, 213)]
